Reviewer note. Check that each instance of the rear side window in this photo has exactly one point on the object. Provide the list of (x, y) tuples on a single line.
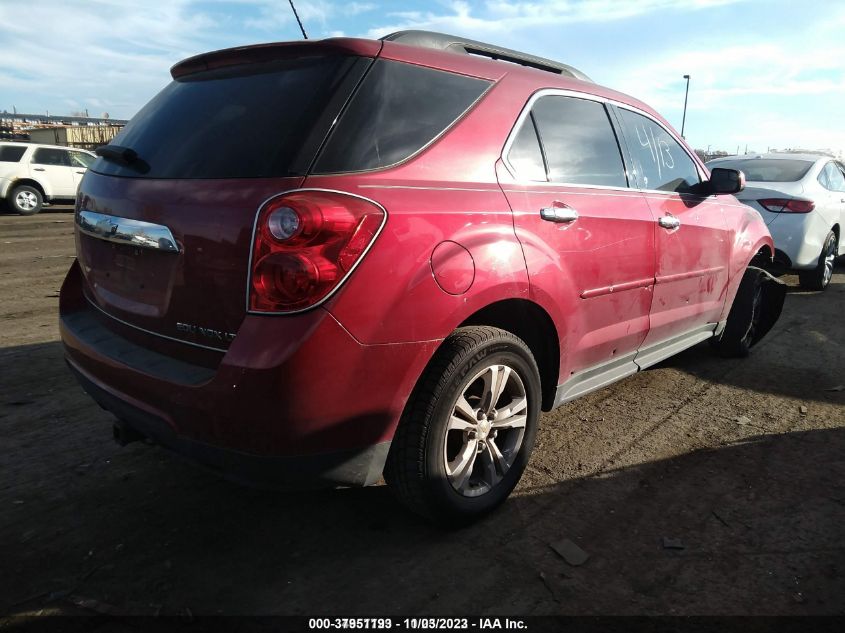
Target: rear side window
[(248, 121), (398, 109), (525, 155), (661, 163), (767, 169), (579, 143), (50, 156), (11, 153)]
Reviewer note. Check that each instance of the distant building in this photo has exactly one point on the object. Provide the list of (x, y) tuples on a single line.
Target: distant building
[(87, 137), (73, 130)]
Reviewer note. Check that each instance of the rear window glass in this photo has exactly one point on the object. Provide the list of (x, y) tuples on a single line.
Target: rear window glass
[(11, 153), (767, 169), (50, 156), (242, 122), (399, 109)]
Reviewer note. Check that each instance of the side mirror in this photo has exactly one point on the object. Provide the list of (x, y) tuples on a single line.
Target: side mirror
[(726, 180)]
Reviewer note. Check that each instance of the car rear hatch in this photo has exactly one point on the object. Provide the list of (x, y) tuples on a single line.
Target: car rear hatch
[(165, 217)]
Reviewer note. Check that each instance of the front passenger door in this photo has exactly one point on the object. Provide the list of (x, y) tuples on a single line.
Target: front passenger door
[(692, 241), (80, 162)]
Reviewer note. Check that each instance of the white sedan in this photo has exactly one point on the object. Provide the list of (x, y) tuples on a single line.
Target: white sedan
[(802, 200)]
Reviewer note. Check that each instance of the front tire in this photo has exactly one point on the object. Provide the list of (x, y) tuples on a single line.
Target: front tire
[(468, 429), (745, 317), (25, 200), (819, 277)]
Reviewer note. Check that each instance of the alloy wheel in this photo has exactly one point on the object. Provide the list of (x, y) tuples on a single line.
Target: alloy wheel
[(829, 257), (26, 200), (485, 430)]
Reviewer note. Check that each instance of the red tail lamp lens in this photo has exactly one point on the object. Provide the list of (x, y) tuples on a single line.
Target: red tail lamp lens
[(787, 205), (305, 244)]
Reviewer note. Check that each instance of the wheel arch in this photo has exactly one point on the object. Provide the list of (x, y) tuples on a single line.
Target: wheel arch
[(763, 258), (759, 255), (30, 182), (530, 322)]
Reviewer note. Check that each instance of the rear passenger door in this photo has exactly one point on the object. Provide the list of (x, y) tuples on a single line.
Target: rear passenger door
[(52, 165), (588, 238), (691, 236)]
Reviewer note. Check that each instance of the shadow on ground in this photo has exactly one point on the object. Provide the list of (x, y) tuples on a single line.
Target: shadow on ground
[(139, 531), (760, 520)]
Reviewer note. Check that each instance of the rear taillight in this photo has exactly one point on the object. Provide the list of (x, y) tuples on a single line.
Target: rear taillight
[(305, 244), (787, 205)]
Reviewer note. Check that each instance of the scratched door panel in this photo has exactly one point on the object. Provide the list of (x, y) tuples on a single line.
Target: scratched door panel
[(593, 273), (692, 241)]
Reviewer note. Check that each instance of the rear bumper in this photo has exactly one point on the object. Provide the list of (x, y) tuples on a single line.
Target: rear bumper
[(295, 395), (359, 467)]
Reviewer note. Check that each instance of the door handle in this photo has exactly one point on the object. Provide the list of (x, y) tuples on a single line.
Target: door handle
[(559, 214), (669, 222), (38, 169), (80, 172)]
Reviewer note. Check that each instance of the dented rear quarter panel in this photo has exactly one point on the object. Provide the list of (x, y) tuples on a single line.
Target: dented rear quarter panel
[(748, 234)]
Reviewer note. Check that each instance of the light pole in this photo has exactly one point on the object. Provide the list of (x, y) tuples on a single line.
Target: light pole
[(684, 120)]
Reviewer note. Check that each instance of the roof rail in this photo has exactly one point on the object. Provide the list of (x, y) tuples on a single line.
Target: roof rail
[(454, 44)]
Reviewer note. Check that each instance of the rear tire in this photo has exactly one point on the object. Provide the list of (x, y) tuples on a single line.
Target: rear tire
[(819, 277), (468, 429), (25, 200)]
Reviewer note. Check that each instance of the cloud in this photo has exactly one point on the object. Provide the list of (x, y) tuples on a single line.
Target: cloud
[(119, 52), (502, 16)]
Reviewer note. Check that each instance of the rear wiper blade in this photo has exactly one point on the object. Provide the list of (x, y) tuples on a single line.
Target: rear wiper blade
[(123, 156)]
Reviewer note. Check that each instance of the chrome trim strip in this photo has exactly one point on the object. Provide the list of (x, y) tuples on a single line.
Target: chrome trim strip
[(169, 338), (492, 190), (627, 285), (345, 277), (589, 97), (690, 274), (137, 233)]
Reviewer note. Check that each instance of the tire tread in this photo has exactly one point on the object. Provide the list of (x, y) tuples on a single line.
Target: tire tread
[(405, 467)]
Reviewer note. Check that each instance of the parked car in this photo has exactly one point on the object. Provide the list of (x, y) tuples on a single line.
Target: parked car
[(332, 260), (802, 200), (31, 174)]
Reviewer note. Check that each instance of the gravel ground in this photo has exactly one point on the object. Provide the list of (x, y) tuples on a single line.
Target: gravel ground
[(700, 486)]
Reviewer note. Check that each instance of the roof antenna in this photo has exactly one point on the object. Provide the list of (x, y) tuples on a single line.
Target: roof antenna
[(298, 21)]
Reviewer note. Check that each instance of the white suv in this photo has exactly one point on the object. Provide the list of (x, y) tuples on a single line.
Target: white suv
[(31, 174)]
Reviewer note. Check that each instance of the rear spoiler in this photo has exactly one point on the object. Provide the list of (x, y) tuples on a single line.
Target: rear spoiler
[(464, 46), (278, 50)]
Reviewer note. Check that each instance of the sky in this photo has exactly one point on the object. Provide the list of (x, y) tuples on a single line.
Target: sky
[(763, 73)]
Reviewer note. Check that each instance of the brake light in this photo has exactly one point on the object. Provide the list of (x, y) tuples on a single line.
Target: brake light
[(787, 205), (305, 244)]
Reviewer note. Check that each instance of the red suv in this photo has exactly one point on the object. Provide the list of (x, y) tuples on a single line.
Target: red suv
[(326, 261)]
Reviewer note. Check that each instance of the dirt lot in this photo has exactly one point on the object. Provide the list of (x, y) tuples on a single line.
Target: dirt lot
[(743, 461)]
